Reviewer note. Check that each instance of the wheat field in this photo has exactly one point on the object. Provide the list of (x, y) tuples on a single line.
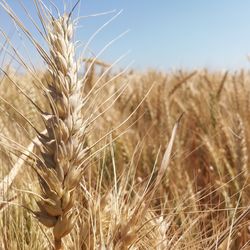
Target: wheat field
[(98, 158)]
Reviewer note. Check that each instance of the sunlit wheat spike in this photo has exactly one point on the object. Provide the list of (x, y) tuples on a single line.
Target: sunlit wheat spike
[(63, 145)]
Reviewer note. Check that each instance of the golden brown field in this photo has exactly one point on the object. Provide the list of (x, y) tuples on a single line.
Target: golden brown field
[(95, 158)]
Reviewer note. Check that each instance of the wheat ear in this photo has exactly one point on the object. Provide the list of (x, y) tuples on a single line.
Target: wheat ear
[(63, 145)]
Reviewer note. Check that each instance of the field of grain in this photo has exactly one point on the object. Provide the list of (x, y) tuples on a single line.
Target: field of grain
[(98, 158)]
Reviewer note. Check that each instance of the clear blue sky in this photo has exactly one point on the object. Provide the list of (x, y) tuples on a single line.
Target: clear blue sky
[(167, 34)]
